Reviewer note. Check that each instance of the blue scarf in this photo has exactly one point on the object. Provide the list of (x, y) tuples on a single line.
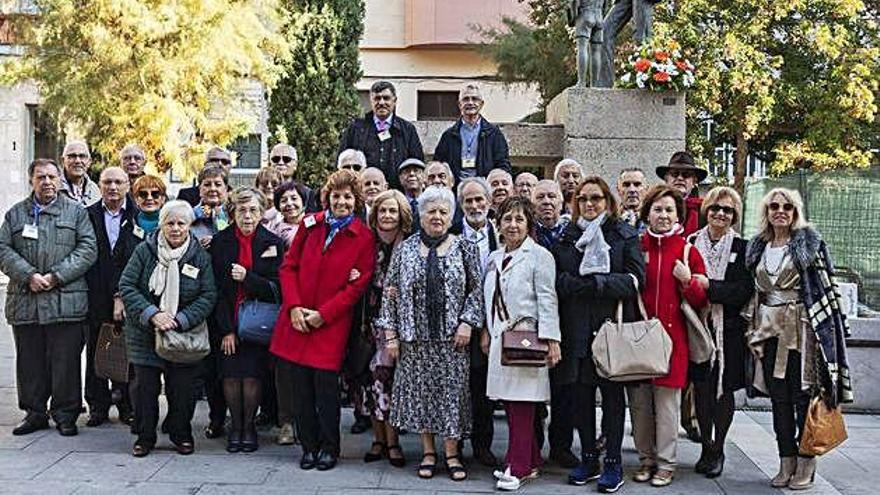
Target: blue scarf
[(335, 224), (148, 221)]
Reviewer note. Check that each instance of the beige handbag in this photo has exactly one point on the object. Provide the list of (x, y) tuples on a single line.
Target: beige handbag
[(184, 347), (701, 344), (638, 350)]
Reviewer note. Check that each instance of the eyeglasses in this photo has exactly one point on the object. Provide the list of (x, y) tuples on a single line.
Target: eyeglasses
[(774, 206), (727, 210), (154, 194), (75, 156), (351, 166), (628, 184), (222, 161), (684, 174), (279, 159), (113, 182), (595, 198)]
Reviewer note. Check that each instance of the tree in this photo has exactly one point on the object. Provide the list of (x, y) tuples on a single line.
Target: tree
[(166, 74), (317, 98)]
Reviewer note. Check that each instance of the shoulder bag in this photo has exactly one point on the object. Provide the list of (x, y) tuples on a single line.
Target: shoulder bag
[(824, 428), (184, 347), (256, 319), (111, 357), (521, 346), (638, 350), (701, 344)]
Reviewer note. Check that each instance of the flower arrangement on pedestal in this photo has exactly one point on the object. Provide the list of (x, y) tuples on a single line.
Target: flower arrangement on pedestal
[(658, 67)]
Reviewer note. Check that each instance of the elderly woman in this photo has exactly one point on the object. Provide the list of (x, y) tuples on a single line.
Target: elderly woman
[(391, 222), (669, 279), (245, 257), (317, 312), (796, 330), (431, 304), (729, 287), (520, 283), (149, 195), (210, 213), (599, 264), (289, 201), (167, 286), (267, 181)]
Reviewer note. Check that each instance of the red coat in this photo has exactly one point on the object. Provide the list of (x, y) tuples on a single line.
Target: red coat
[(692, 205), (663, 293), (317, 279)]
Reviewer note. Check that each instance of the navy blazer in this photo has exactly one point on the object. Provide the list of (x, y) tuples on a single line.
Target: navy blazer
[(103, 277), (492, 149)]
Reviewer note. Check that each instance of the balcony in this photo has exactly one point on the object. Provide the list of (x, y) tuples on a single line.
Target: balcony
[(447, 23)]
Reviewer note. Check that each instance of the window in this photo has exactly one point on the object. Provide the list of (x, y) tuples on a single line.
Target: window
[(438, 105), (247, 150), (45, 141)]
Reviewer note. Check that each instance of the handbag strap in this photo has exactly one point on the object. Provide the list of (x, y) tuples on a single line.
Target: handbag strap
[(641, 302)]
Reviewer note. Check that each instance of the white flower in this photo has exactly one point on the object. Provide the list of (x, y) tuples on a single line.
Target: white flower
[(626, 77)]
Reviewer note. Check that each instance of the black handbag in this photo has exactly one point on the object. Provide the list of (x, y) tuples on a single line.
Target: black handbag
[(111, 357)]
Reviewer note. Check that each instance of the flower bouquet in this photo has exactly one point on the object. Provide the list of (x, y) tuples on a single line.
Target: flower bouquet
[(660, 67)]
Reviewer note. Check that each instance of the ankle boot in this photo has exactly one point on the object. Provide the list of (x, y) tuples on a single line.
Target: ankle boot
[(787, 467), (804, 475)]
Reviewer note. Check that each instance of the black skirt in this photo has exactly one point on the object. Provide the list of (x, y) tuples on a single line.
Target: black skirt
[(249, 361)]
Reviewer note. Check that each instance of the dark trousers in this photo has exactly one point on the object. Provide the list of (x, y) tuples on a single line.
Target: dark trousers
[(47, 365), (99, 391), (560, 433), (284, 390), (789, 402), (583, 416), (213, 380), (145, 389), (482, 410), (316, 408)]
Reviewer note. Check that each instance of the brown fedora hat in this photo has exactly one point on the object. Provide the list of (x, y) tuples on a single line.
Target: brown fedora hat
[(682, 160)]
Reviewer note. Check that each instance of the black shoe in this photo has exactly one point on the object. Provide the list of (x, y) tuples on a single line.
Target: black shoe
[(361, 424), (28, 426), (702, 464), (125, 414), (185, 447), (564, 458), (486, 458), (716, 466), (264, 421), (249, 442), (67, 429), (214, 431), (233, 443), (326, 461), (308, 461), (96, 419), (371, 456)]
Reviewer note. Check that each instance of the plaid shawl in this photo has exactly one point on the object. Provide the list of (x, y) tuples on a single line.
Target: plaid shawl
[(821, 300)]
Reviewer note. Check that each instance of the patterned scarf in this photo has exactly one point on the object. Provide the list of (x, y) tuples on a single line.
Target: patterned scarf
[(434, 286), (335, 224)]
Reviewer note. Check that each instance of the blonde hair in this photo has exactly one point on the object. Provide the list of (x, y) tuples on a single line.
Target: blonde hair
[(406, 216), (765, 229), (242, 195), (716, 194)]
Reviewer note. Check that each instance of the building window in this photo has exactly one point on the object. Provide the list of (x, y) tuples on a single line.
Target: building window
[(247, 150), (45, 140), (438, 105)]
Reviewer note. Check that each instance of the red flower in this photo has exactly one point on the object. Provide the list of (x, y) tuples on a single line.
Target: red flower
[(642, 65), (661, 77), (681, 64), (661, 55)]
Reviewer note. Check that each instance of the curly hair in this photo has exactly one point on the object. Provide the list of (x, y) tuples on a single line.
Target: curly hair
[(344, 179), (406, 216)]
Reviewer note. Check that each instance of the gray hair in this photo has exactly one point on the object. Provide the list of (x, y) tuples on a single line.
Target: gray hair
[(548, 183), (565, 162), (242, 195), (132, 148), (450, 177), (471, 86), (434, 194), (76, 142), (473, 180), (351, 153), (798, 220), (177, 209)]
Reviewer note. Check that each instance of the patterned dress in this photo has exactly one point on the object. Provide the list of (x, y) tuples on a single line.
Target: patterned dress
[(431, 392)]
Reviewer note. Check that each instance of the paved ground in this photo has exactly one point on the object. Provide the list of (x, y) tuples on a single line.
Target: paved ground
[(98, 461)]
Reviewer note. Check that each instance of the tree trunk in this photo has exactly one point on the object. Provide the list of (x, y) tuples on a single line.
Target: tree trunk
[(741, 160)]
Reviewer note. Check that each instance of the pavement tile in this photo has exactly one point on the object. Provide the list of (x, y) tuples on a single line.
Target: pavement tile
[(16, 465), (38, 487), (237, 469), (12, 442), (93, 467), (138, 488)]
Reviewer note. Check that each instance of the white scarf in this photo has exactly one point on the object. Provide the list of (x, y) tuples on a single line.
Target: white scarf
[(716, 258), (592, 243), (165, 279)]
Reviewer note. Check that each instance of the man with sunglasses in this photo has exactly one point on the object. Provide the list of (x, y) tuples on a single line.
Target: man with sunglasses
[(215, 156), (286, 160), (351, 159), (75, 181), (383, 136)]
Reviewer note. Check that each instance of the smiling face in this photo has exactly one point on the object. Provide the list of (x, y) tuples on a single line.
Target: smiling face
[(388, 215), (436, 174), (514, 227), (781, 212), (248, 215), (175, 230), (470, 103), (436, 220), (501, 185), (213, 191), (76, 161), (591, 202), (475, 204), (342, 202), (374, 183), (663, 215), (412, 180), (721, 214), (569, 176), (291, 206), (149, 199)]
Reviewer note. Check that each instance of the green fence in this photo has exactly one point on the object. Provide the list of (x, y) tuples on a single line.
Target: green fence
[(845, 208)]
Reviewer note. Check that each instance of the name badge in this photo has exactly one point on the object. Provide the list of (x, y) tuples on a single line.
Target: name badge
[(190, 271), (309, 222), (138, 231), (733, 257), (271, 252), (468, 163), (30, 232), (385, 135)]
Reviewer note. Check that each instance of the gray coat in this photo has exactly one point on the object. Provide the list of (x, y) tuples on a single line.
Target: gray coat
[(65, 247)]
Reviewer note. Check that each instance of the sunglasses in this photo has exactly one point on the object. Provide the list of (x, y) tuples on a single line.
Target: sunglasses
[(592, 199), (222, 161), (684, 174), (75, 156), (351, 166), (154, 194), (727, 210), (279, 159), (774, 206), (628, 184)]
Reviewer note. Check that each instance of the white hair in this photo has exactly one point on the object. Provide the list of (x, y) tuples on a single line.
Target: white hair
[(471, 86), (177, 209), (351, 153), (565, 162), (474, 180), (76, 142), (434, 194)]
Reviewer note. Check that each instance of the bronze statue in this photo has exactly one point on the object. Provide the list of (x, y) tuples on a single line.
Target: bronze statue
[(642, 14), (585, 16)]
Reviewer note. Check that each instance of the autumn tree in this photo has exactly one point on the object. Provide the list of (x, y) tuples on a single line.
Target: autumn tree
[(317, 97), (165, 74)]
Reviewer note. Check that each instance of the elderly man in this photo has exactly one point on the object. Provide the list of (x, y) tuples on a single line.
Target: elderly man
[(501, 185), (631, 188), (384, 137), (283, 157), (439, 174), (547, 202), (46, 246), (113, 219), (133, 160), (683, 174), (374, 183), (568, 174), (350, 159), (524, 183), (473, 146), (75, 181), (215, 156), (412, 178)]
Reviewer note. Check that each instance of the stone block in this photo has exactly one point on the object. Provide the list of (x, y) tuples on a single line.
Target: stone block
[(607, 157)]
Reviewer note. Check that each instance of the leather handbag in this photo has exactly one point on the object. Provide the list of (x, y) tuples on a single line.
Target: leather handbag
[(701, 343), (521, 346), (184, 347), (638, 350), (111, 357), (256, 319), (824, 428)]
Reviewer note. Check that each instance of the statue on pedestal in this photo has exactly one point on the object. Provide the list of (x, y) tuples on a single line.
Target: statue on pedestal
[(642, 14), (585, 16)]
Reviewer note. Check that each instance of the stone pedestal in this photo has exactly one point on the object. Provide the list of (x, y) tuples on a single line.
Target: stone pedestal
[(607, 130)]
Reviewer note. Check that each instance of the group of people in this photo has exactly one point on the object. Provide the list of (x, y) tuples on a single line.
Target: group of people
[(397, 281)]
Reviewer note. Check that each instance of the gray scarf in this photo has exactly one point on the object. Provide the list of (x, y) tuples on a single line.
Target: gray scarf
[(592, 243), (165, 279)]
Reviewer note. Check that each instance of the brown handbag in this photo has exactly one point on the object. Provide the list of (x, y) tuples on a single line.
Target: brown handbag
[(111, 357), (520, 345), (824, 429)]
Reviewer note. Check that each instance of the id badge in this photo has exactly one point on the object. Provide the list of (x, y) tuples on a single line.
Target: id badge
[(138, 231), (468, 163), (31, 232), (190, 271), (385, 135)]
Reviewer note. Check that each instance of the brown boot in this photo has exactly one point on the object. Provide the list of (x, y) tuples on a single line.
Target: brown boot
[(804, 475), (787, 467)]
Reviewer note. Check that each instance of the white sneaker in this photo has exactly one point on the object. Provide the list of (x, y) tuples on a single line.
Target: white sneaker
[(500, 475), (510, 484)]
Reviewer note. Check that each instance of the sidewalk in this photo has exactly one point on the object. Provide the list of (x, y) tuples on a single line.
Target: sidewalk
[(98, 461)]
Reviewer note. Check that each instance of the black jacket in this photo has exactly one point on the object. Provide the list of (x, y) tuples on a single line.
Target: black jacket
[(387, 156), (103, 277), (260, 283), (585, 302), (492, 149)]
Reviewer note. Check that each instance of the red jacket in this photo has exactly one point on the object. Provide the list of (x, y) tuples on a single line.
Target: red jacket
[(663, 293), (692, 205), (317, 279)]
